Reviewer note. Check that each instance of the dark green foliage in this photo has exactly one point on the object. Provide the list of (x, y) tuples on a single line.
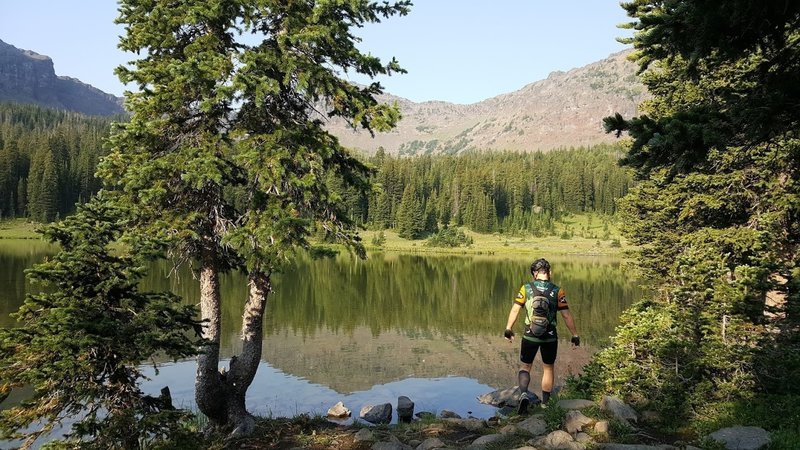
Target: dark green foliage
[(47, 160), (493, 192), (80, 342), (410, 215), (716, 214), (449, 237)]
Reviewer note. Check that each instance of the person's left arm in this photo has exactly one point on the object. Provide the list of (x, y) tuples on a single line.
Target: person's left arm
[(567, 315)]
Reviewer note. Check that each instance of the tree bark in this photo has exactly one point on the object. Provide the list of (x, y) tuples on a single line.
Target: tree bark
[(221, 396), (243, 368), (209, 389)]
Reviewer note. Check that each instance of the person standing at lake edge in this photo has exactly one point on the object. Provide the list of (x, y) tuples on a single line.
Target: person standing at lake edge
[(541, 299)]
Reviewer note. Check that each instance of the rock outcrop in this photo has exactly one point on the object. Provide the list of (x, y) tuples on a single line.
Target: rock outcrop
[(28, 77), (575, 432), (564, 110)]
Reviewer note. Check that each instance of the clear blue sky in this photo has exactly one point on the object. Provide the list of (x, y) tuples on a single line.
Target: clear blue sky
[(461, 51)]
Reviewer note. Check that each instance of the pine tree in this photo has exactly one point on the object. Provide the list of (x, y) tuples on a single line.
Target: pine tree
[(410, 215), (225, 157), (715, 214), (81, 342)]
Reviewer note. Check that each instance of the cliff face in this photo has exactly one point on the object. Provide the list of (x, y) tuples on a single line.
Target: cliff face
[(564, 110), (28, 77)]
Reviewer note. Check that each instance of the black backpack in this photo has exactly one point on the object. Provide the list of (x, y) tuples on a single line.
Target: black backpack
[(540, 309)]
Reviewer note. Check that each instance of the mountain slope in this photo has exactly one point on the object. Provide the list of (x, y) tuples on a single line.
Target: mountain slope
[(28, 77), (564, 110)]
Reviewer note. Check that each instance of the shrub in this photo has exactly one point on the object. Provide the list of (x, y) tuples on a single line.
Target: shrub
[(449, 237)]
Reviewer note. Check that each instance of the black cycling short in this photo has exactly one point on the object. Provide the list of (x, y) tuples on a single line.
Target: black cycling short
[(529, 349)]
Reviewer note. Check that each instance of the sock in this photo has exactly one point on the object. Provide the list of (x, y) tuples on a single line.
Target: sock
[(545, 396), (524, 378)]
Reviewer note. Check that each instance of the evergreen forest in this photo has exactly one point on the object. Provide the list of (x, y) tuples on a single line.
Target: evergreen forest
[(48, 160)]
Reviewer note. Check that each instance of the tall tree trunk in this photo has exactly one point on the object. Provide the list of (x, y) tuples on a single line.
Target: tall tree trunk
[(221, 396), (243, 368), (209, 388)]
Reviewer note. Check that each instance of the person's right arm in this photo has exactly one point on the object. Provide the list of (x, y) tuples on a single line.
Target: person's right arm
[(512, 317), (519, 302)]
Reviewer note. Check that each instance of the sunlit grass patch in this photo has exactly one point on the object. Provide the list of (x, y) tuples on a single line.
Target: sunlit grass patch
[(18, 229)]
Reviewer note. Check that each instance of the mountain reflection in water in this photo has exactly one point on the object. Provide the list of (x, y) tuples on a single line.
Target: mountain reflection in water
[(366, 332)]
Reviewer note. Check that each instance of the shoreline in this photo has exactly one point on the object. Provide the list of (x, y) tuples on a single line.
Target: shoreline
[(564, 241)]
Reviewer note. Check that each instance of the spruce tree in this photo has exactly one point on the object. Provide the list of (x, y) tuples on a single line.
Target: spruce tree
[(715, 215), (80, 343), (226, 157)]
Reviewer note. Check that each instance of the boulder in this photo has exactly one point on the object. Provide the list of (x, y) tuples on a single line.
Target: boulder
[(506, 397), (618, 409), (506, 411), (485, 440), (405, 409), (583, 438), (534, 425), (467, 424), (601, 427), (574, 421), (741, 438), (447, 414), (509, 429), (575, 403), (338, 411), (431, 443), (364, 435), (425, 415), (557, 440), (377, 414)]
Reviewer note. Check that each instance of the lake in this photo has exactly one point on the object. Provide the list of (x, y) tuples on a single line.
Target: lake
[(366, 332)]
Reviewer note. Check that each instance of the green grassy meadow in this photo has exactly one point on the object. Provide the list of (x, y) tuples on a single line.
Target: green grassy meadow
[(586, 234), (18, 229)]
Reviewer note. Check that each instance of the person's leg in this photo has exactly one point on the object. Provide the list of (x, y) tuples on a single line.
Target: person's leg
[(547, 381), (524, 377), (528, 352), (549, 353)]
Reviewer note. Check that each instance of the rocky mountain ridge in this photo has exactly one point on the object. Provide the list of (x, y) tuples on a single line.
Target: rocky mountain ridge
[(28, 77), (565, 109)]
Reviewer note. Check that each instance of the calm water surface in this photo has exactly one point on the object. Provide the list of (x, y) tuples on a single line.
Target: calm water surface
[(366, 332)]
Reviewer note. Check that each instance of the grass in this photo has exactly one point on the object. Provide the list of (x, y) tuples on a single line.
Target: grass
[(779, 414), (586, 234), (18, 229)]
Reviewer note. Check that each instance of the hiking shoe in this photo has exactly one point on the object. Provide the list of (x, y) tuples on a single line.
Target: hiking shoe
[(524, 402), (543, 405)]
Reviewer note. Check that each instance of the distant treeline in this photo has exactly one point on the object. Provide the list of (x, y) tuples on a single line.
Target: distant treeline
[(47, 160), (490, 191)]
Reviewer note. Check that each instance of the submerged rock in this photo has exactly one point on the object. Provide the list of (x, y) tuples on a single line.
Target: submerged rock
[(506, 397), (405, 409)]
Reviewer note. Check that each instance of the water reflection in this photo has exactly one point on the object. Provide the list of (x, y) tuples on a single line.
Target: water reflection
[(368, 331)]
